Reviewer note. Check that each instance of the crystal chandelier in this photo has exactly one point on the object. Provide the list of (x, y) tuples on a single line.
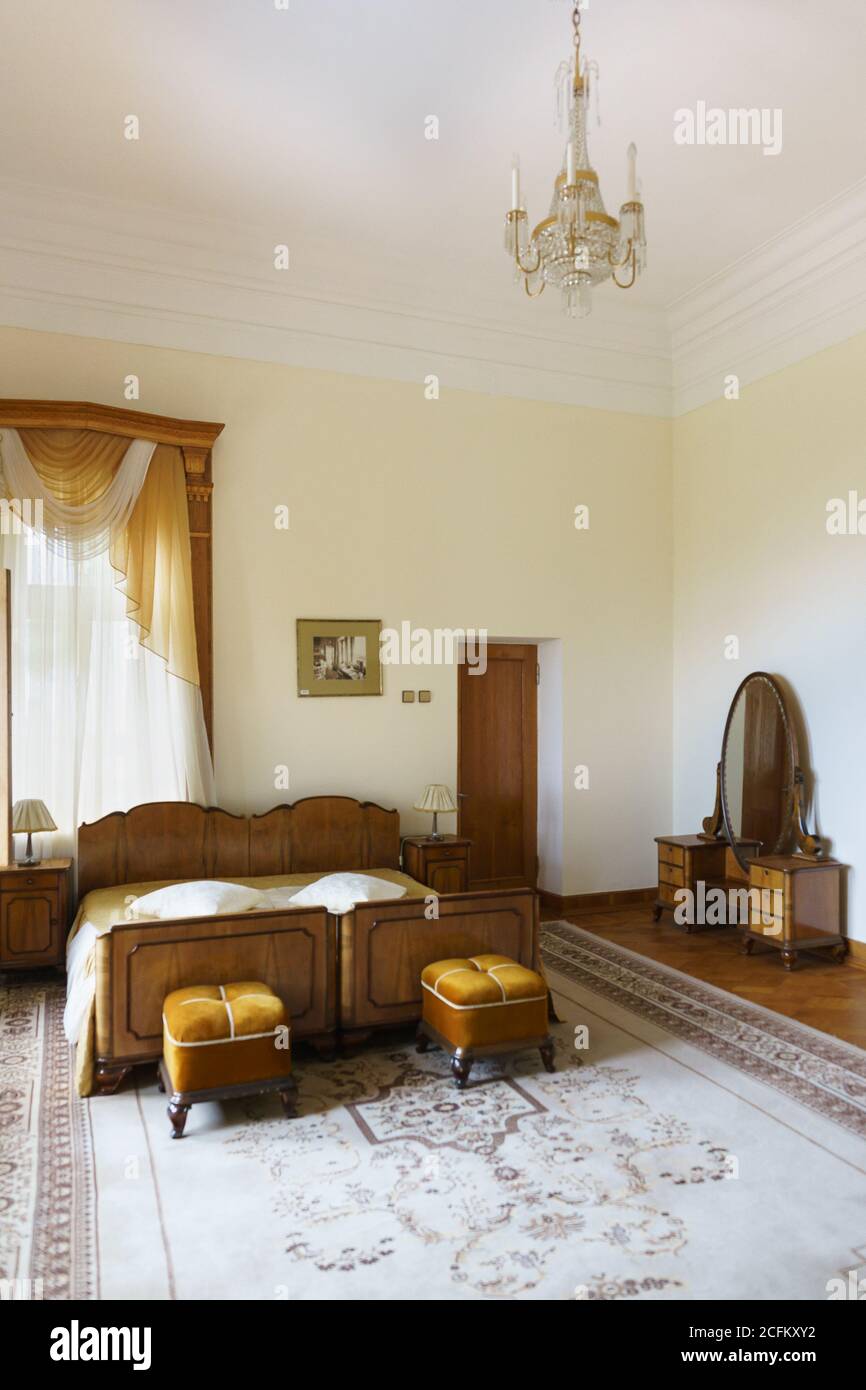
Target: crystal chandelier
[(579, 244)]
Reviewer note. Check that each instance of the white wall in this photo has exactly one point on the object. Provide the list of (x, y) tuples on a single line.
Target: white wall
[(553, 781), (753, 559), (456, 512)]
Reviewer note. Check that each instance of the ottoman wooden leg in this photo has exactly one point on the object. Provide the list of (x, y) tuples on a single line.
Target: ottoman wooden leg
[(177, 1113), (461, 1066), (422, 1042), (289, 1098), (547, 1050)]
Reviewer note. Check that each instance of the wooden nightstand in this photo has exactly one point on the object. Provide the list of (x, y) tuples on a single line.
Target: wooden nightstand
[(802, 909), (34, 914), (442, 864)]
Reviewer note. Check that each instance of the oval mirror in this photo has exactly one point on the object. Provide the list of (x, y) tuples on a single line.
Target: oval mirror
[(759, 757)]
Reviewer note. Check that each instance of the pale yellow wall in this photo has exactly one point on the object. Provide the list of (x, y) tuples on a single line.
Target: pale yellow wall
[(753, 559), (448, 513), (460, 512)]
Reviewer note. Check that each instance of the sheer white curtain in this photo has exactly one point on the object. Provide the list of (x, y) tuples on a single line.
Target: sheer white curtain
[(98, 723)]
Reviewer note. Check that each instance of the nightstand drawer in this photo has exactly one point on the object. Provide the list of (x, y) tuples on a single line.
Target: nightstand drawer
[(759, 877), (672, 854), (27, 880), (434, 853)]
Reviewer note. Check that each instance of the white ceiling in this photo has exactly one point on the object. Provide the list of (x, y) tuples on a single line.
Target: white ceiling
[(305, 126), (310, 122)]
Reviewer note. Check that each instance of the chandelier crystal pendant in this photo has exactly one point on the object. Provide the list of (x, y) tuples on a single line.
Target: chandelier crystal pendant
[(579, 244)]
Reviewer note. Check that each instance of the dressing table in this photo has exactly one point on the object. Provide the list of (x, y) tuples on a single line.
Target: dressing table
[(777, 885)]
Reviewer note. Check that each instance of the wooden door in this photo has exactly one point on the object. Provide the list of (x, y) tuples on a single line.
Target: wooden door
[(497, 766)]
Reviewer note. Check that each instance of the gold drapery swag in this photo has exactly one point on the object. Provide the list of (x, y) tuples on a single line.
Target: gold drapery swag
[(151, 554)]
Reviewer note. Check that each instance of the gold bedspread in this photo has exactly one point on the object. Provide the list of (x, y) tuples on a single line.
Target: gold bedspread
[(105, 907)]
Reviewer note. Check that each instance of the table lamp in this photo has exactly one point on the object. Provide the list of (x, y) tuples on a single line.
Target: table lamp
[(438, 799), (28, 816)]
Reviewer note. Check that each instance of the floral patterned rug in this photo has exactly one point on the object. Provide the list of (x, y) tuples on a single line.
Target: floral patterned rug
[(689, 1146)]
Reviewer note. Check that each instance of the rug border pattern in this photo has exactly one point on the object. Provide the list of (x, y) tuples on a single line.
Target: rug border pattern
[(64, 1250), (696, 1022)]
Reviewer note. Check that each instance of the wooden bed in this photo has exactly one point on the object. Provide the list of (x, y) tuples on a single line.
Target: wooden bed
[(340, 977)]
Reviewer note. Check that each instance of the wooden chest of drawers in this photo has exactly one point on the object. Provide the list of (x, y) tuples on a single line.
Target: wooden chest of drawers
[(684, 861), (34, 914), (799, 907)]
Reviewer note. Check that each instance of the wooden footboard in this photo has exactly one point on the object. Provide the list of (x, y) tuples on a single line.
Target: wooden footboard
[(338, 977), (383, 947), (139, 963)]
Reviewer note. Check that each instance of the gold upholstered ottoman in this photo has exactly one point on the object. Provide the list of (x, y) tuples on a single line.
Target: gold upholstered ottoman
[(480, 1006), (222, 1041)]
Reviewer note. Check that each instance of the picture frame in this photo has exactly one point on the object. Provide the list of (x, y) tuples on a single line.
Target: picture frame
[(338, 657)]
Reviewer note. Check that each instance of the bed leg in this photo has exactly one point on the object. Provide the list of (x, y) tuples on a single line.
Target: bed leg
[(324, 1045), (109, 1076)]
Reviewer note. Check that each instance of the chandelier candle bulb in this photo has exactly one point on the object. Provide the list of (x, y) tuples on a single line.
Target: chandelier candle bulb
[(515, 185), (632, 173)]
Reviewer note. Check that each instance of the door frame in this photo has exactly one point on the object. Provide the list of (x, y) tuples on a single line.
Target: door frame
[(529, 652)]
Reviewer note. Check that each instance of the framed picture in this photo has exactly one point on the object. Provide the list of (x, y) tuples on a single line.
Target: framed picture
[(339, 656)]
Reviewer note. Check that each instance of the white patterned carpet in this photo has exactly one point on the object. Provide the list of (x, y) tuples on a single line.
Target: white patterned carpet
[(699, 1147)]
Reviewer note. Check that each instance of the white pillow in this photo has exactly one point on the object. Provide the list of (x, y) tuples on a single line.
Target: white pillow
[(199, 898), (340, 892)]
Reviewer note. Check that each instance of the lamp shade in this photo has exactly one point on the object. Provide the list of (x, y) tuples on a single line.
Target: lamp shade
[(437, 797), (29, 816)]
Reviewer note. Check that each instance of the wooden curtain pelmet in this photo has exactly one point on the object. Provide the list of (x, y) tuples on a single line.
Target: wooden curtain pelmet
[(195, 440)]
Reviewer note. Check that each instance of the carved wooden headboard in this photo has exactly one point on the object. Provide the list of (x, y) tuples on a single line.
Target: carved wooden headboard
[(177, 839)]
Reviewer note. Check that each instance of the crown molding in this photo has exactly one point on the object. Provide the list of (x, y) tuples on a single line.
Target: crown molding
[(96, 267), (795, 295)]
